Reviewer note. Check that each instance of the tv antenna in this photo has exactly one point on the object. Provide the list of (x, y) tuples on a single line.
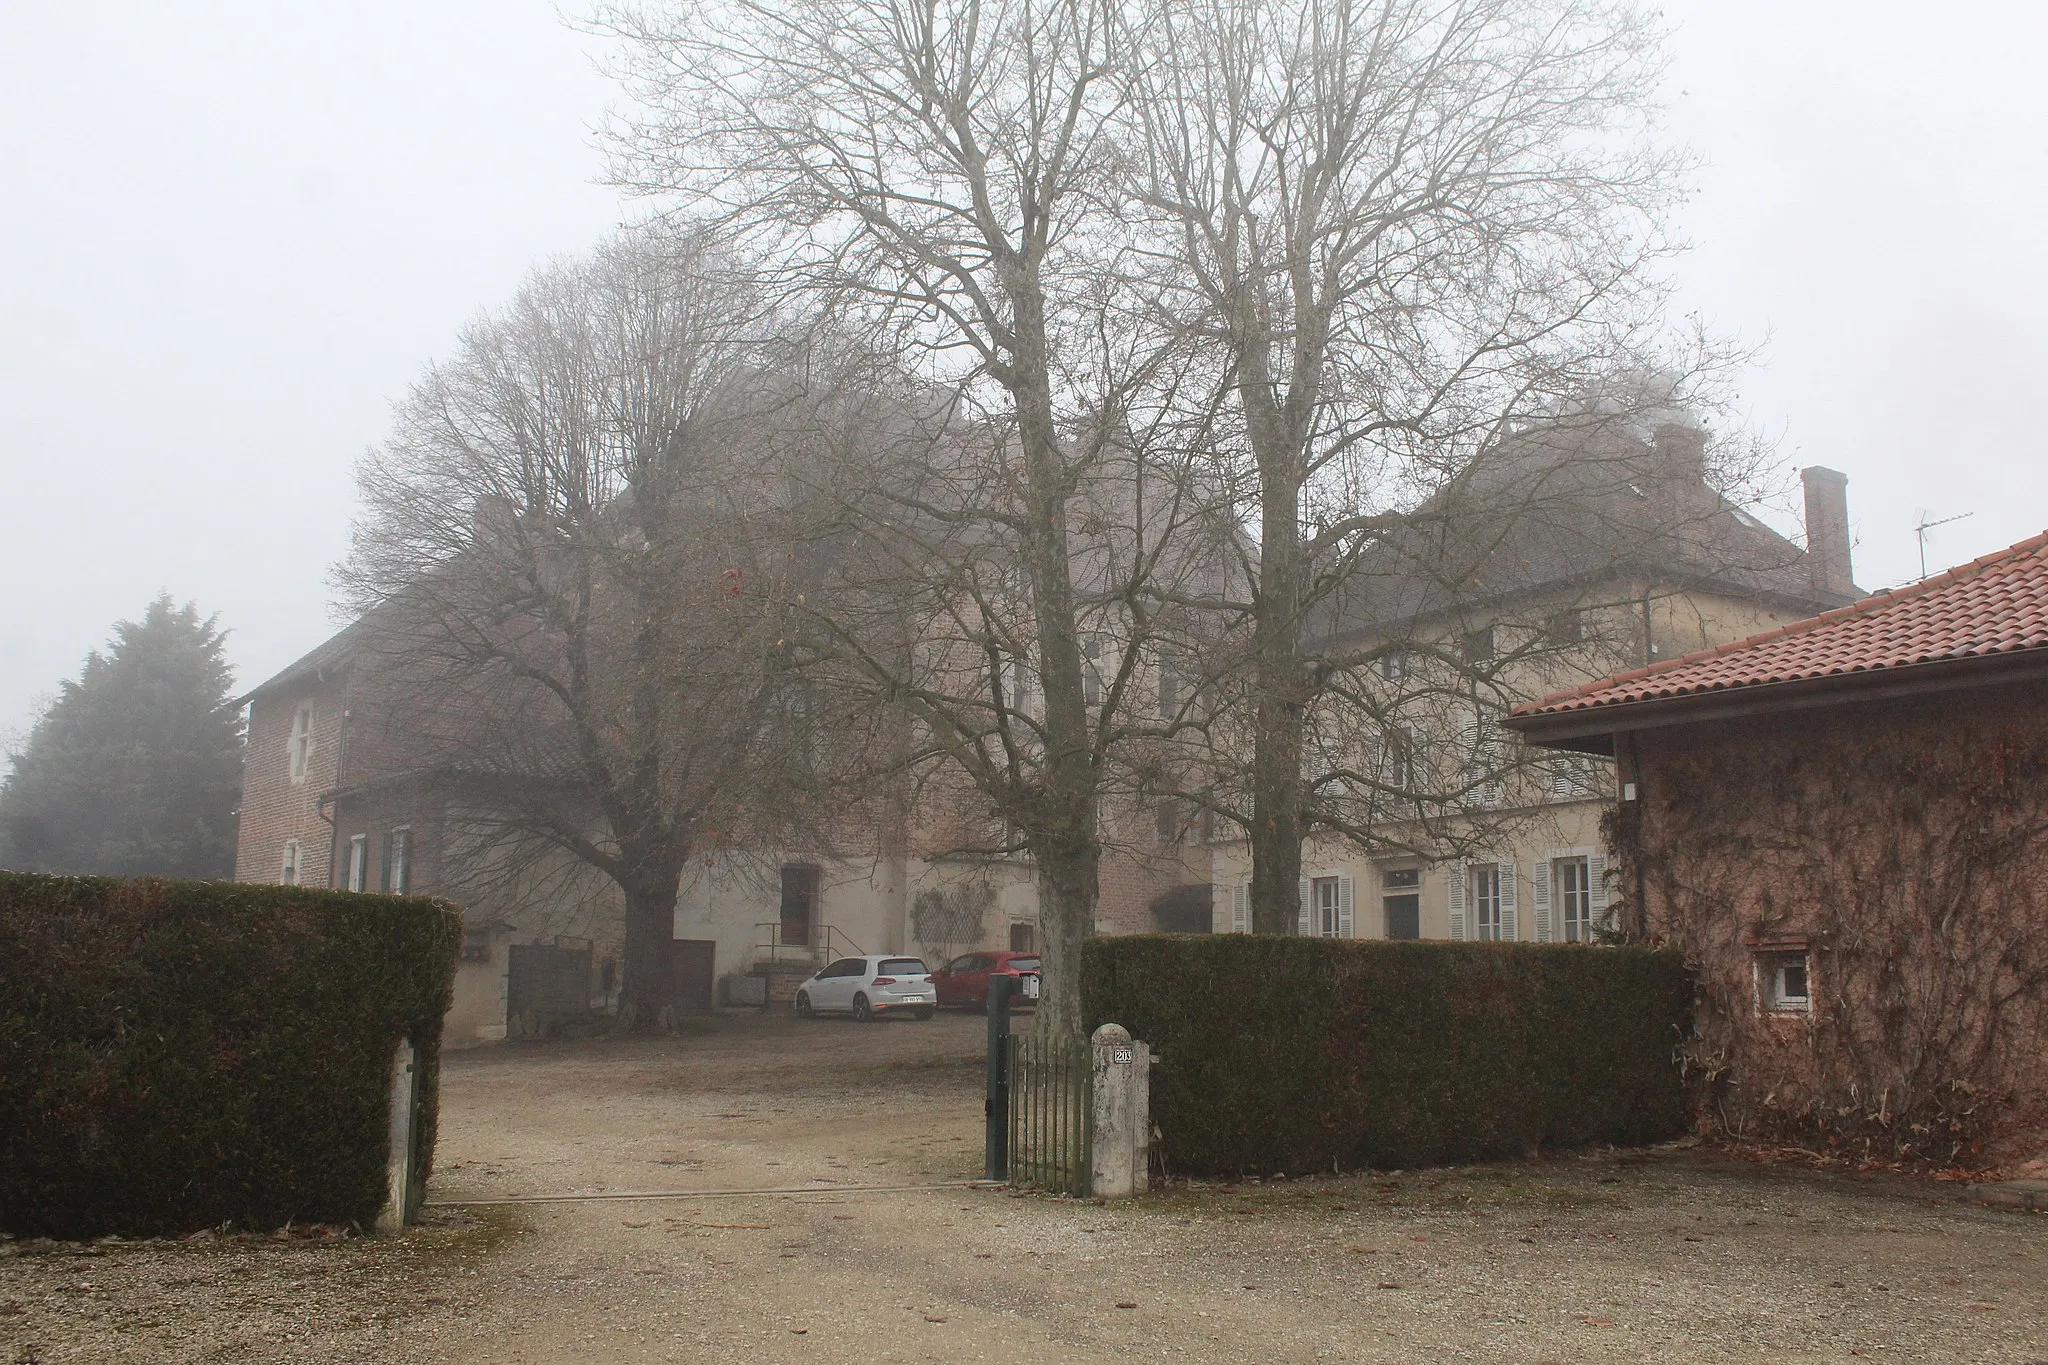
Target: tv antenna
[(1923, 526)]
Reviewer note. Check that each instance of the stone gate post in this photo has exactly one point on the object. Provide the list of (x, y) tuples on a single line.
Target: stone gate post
[(1121, 1090)]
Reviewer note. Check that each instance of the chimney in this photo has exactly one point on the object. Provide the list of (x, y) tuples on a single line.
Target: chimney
[(1680, 450), (1827, 531)]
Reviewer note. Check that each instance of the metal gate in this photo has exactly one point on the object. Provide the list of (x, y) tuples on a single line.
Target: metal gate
[(1050, 1112)]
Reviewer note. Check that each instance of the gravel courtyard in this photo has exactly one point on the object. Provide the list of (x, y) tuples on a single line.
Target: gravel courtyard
[(1598, 1258)]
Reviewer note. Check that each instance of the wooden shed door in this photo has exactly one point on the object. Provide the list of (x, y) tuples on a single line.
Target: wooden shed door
[(690, 972)]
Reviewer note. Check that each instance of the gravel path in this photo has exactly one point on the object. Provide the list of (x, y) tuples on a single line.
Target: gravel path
[(1600, 1258)]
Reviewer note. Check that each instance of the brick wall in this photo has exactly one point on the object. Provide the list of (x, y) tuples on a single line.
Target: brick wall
[(277, 809)]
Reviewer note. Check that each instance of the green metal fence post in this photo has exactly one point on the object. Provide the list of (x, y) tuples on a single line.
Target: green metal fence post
[(996, 1129)]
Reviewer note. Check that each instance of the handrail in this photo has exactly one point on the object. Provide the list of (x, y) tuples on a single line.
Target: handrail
[(824, 941)]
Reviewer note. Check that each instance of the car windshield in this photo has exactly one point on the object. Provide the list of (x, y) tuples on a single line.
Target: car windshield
[(1023, 964), (902, 966)]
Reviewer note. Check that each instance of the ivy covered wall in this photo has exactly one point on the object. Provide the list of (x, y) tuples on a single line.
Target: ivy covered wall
[(1898, 851)]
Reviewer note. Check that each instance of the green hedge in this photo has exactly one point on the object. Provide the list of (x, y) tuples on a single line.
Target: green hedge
[(179, 1055), (1303, 1054)]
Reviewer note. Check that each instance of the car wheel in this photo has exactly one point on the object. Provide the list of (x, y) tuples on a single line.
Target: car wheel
[(926, 1014), (803, 1006), (862, 1010)]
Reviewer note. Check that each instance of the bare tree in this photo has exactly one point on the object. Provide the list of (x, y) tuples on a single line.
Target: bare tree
[(1398, 228), (572, 563), (931, 170), (1301, 261)]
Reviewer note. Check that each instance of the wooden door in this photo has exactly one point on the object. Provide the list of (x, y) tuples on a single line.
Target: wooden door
[(799, 905), (691, 963)]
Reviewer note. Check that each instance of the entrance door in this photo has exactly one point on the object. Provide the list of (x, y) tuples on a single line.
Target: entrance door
[(1402, 899), (799, 906), (690, 974)]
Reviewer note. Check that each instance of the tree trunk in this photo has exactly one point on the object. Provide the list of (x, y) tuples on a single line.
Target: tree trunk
[(1067, 890), (646, 986), (1277, 797), (1063, 839)]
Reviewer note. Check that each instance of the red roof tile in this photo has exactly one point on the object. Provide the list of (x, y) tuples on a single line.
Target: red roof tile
[(1994, 605)]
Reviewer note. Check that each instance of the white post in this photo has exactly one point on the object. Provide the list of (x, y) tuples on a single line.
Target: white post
[(405, 1092), (1121, 1091)]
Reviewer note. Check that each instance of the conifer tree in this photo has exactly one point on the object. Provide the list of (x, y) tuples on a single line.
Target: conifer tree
[(136, 767)]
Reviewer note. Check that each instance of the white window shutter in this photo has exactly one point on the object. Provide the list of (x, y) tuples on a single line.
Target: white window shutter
[(1240, 908), (1457, 900), (1539, 898), (1471, 764), (1304, 928), (1596, 883), (1508, 929), (1344, 908)]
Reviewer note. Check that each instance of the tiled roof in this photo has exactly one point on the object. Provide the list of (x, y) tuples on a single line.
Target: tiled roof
[(1994, 605), (1548, 508)]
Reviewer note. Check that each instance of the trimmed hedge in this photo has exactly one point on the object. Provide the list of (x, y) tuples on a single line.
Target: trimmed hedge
[(179, 1055), (1306, 1054)]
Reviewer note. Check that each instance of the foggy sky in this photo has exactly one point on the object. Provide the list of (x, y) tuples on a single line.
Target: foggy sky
[(232, 232)]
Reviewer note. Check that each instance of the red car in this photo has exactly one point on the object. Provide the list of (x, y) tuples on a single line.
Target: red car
[(964, 980)]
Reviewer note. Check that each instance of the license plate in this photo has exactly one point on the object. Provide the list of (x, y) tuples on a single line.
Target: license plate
[(1030, 988)]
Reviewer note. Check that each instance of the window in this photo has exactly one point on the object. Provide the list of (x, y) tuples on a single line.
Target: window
[(1482, 901), (1169, 688), (398, 862), (1486, 902), (288, 875), (1486, 758), (1397, 762), (1397, 665), (847, 966), (1564, 628), (1174, 817), (1577, 777), (358, 871), (1091, 672), (1329, 907), (1783, 982), (1477, 646), (300, 746), (1023, 937), (1574, 899), (1401, 899)]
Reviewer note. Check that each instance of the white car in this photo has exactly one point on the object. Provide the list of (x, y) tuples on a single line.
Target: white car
[(869, 987)]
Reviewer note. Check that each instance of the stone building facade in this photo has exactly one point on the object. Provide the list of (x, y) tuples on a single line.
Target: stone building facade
[(329, 787)]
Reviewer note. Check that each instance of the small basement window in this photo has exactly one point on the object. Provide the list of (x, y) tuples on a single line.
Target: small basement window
[(1783, 983)]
